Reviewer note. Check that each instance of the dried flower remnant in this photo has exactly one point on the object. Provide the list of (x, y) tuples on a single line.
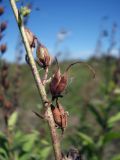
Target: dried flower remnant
[(3, 48), (59, 81), (60, 116), (3, 26), (44, 59), (1, 10)]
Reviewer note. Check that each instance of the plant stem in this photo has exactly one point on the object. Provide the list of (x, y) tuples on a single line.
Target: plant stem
[(40, 86)]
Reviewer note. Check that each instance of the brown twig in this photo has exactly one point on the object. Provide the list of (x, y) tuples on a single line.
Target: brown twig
[(40, 86)]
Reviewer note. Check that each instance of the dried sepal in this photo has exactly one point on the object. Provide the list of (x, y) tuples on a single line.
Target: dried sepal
[(84, 63), (44, 59)]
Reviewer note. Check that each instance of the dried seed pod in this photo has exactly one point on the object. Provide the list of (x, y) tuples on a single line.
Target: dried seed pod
[(3, 48), (44, 59), (59, 81), (60, 116), (1, 10), (31, 38), (58, 84), (3, 26)]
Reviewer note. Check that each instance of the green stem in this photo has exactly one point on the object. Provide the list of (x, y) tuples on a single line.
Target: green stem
[(40, 86)]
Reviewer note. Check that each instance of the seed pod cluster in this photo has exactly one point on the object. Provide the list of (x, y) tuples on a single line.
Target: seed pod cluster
[(57, 86), (5, 103), (3, 26), (44, 59)]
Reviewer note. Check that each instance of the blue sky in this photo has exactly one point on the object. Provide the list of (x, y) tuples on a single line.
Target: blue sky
[(81, 18)]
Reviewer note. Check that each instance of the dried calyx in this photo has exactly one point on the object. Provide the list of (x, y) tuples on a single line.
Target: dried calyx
[(44, 59), (60, 116), (59, 81)]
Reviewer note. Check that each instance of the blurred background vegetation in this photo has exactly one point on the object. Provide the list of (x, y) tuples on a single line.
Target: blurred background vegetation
[(93, 105)]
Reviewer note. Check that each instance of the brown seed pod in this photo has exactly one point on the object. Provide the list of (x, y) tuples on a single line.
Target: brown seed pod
[(58, 84), (60, 116), (3, 26), (59, 81), (1, 10), (3, 48), (31, 38), (44, 59)]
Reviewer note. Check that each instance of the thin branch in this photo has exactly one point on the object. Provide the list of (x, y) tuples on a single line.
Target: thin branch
[(40, 86)]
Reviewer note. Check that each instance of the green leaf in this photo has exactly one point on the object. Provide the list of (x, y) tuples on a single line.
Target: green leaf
[(29, 141), (85, 138), (44, 142), (45, 152), (111, 136), (97, 115), (12, 120), (25, 157), (112, 120), (3, 154), (117, 157)]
